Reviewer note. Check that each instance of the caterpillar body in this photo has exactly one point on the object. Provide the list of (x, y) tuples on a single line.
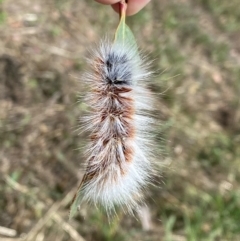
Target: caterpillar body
[(118, 165)]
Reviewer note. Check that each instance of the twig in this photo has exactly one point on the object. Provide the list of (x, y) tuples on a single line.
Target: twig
[(68, 228), (7, 232), (15, 185), (11, 239), (145, 218), (52, 210), (51, 213)]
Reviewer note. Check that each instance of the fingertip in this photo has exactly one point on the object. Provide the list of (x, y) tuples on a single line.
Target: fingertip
[(107, 2), (134, 6), (116, 7)]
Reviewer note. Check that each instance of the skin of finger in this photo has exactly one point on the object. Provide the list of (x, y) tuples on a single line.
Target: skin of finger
[(107, 2), (134, 6)]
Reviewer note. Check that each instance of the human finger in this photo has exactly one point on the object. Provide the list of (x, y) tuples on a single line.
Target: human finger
[(107, 2), (133, 6)]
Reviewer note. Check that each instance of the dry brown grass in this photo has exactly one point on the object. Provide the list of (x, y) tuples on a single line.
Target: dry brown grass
[(42, 49)]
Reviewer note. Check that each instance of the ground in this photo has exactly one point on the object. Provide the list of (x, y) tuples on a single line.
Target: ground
[(196, 50)]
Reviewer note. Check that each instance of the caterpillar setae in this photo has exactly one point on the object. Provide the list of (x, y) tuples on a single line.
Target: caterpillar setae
[(119, 163), (118, 154)]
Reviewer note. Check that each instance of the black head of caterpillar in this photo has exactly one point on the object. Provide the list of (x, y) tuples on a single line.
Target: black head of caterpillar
[(117, 69)]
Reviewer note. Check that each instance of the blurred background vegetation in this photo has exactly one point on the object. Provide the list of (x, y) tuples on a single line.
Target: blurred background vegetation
[(196, 47)]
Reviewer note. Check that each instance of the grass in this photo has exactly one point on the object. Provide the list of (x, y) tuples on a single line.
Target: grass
[(3, 14), (197, 98), (226, 14)]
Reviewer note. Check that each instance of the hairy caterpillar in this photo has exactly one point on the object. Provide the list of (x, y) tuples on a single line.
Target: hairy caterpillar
[(118, 154)]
